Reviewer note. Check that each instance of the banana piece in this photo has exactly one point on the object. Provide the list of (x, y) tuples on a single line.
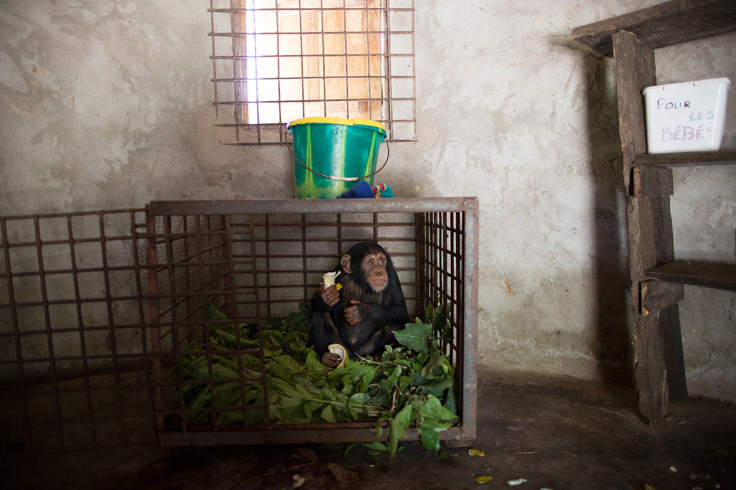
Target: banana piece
[(329, 280), (341, 351)]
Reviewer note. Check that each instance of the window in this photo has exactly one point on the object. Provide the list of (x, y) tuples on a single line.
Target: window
[(276, 61)]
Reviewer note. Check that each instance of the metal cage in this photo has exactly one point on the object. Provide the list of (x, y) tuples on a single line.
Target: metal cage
[(98, 308)]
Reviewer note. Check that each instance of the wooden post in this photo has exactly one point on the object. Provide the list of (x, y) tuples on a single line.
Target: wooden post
[(660, 370)]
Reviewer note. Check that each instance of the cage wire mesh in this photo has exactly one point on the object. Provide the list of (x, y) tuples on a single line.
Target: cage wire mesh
[(98, 311)]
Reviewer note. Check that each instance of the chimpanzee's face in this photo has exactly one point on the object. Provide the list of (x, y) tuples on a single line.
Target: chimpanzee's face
[(373, 267)]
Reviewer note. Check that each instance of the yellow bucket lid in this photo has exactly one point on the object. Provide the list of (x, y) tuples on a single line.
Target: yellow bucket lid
[(338, 120)]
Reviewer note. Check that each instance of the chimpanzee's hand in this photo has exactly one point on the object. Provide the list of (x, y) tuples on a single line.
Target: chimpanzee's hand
[(353, 314), (330, 359), (330, 295)]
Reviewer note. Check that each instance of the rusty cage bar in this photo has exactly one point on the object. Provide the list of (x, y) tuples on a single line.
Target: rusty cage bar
[(73, 348), (98, 311)]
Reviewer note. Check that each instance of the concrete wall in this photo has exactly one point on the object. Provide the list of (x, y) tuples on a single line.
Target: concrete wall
[(107, 104)]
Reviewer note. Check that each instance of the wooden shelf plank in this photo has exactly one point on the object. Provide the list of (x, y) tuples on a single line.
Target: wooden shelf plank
[(706, 274), (686, 159), (662, 25)]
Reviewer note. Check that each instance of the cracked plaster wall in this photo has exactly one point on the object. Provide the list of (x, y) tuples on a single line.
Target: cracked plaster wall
[(107, 104)]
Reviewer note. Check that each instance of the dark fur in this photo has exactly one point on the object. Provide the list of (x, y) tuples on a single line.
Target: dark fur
[(381, 313)]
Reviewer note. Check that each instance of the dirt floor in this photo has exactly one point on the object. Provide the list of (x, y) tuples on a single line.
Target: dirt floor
[(535, 432)]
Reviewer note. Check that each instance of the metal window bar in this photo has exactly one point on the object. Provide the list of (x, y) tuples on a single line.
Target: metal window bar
[(237, 66)]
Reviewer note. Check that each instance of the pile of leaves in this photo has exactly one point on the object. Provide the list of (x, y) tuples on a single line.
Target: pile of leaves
[(411, 382)]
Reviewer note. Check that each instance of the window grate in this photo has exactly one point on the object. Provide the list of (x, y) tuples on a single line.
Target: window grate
[(275, 61)]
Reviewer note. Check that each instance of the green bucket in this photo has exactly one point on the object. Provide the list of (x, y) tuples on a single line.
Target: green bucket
[(331, 154)]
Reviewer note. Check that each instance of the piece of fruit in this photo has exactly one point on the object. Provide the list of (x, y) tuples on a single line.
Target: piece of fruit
[(341, 351), (329, 280)]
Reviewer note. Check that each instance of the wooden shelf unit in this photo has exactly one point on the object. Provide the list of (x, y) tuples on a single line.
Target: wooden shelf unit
[(656, 277)]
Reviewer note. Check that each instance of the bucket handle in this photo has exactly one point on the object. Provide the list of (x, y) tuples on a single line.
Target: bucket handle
[(342, 179)]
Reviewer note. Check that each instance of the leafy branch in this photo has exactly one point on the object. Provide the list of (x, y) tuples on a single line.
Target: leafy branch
[(412, 382)]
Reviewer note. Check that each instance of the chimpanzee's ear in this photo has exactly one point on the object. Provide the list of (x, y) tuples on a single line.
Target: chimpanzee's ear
[(345, 263)]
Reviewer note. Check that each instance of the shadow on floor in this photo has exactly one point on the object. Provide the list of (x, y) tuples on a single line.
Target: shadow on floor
[(540, 432)]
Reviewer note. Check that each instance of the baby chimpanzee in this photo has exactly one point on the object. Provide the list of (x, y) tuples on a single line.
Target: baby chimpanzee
[(366, 311)]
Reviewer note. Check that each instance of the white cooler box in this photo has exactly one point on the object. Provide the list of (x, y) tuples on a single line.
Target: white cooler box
[(686, 116)]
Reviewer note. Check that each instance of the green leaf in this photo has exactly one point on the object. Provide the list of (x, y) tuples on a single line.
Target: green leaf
[(283, 386), (347, 385), (287, 402), (386, 385), (359, 398), (230, 417), (439, 318), (289, 363), (394, 377), (437, 388), (202, 400), (434, 367), (433, 409), (381, 401), (307, 411), (435, 425), (255, 416), (398, 427), (450, 403), (215, 314), (422, 358), (327, 414), (314, 365), (415, 336), (300, 320), (220, 371), (363, 374), (226, 337), (376, 446), (291, 414), (303, 390), (430, 438), (277, 370)]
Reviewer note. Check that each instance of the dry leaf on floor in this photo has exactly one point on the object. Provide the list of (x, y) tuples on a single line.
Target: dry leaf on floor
[(341, 474)]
